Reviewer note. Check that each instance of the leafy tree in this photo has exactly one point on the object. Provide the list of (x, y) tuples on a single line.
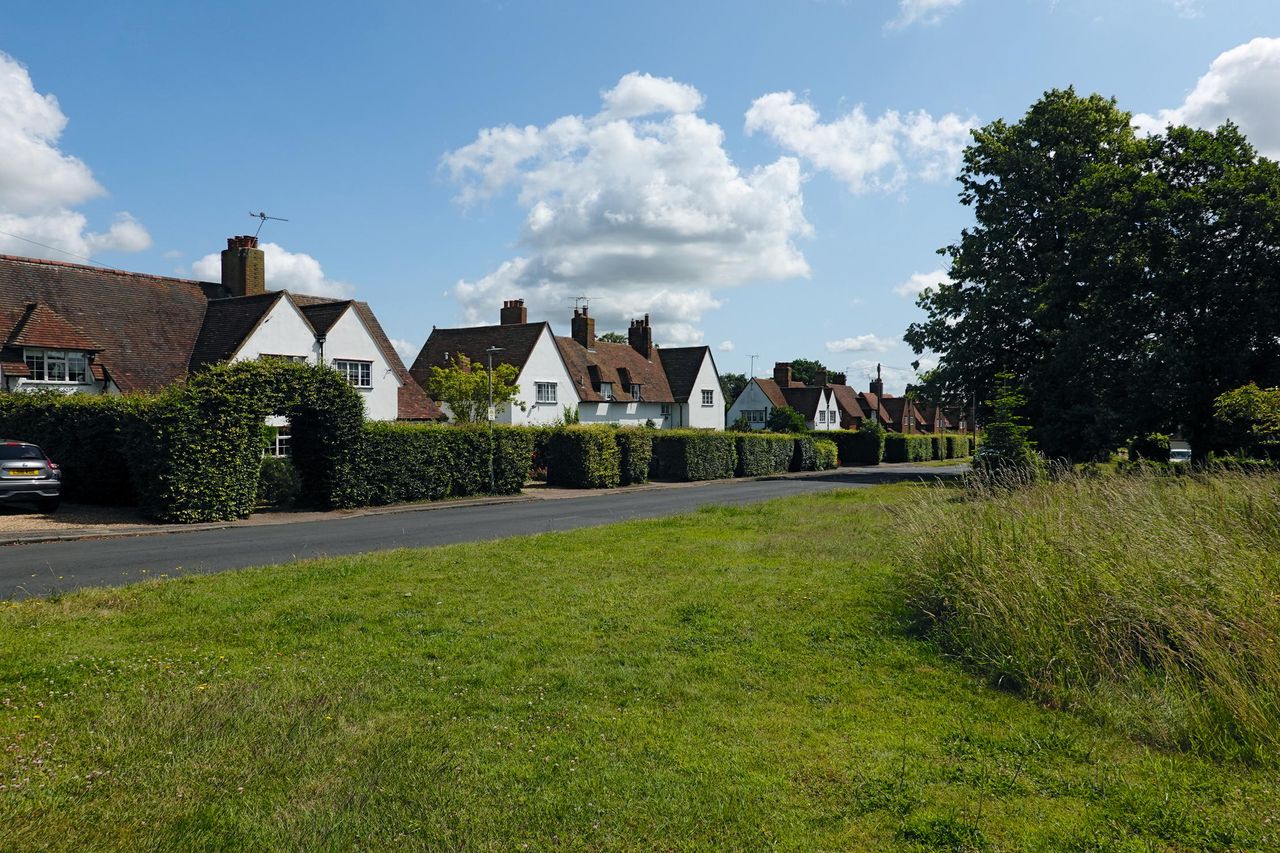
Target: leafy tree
[(1006, 446), (1250, 419), (613, 338), (741, 424), (1124, 282), (806, 370), (732, 384), (1153, 446), (785, 419), (464, 388)]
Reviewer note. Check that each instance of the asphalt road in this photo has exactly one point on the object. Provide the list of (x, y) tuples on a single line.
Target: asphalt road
[(44, 568)]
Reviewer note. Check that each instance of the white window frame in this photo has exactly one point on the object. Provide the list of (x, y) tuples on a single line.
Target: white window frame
[(73, 365), (665, 410), (545, 392), (606, 390), (755, 416), (708, 397), (635, 390), (282, 445), (358, 373)]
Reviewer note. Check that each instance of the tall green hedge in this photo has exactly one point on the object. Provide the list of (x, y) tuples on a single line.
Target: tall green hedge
[(804, 456), (827, 452), (635, 449), (687, 455), (762, 453), (899, 447), (861, 447), (417, 462), (584, 457)]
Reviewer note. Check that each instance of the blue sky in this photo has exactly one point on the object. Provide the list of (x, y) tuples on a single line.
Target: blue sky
[(765, 177)]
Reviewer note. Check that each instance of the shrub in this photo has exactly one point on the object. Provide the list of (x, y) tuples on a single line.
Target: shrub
[(278, 483), (420, 462), (762, 453), (1147, 602), (693, 455), (863, 447), (1006, 447), (827, 453), (1152, 446), (803, 455), (899, 447), (635, 448), (786, 419), (584, 457)]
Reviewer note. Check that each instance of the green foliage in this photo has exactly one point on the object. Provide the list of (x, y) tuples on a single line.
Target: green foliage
[(899, 447), (1006, 447), (786, 419), (635, 447), (762, 453), (571, 416), (731, 385), (827, 453), (400, 463), (741, 424), (806, 370), (465, 388), (612, 338), (859, 447), (804, 456), (584, 457), (957, 446), (693, 455), (938, 448), (1153, 447), (1088, 272), (1249, 420), (278, 483)]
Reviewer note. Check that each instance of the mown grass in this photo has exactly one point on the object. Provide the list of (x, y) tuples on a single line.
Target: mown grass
[(736, 678), (1152, 603)]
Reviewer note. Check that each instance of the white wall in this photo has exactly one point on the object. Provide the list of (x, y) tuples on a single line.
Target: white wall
[(284, 331), (624, 414), (350, 339), (544, 365), (700, 416), (753, 399), (832, 421)]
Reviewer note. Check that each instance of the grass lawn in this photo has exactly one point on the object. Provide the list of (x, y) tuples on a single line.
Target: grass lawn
[(736, 677)]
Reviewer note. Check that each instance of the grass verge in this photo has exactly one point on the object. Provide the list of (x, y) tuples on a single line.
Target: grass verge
[(733, 678)]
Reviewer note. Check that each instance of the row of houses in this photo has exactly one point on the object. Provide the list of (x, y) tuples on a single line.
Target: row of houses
[(831, 404), (83, 329)]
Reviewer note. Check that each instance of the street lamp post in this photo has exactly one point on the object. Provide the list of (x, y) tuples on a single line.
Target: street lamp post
[(491, 414)]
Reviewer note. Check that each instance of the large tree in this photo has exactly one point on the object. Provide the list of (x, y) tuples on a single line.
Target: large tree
[(1119, 279), (732, 384), (806, 370), (464, 387)]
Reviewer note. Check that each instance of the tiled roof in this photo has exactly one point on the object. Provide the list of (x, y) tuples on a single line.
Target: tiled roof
[(322, 315), (681, 364), (145, 325), (804, 399), (40, 326), (227, 323), (773, 392), (517, 341), (615, 363), (851, 412)]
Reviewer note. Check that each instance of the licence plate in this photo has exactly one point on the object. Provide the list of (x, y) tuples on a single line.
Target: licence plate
[(23, 472)]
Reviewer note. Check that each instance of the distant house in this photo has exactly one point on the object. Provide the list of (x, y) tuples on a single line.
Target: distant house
[(82, 329), (757, 402), (627, 384)]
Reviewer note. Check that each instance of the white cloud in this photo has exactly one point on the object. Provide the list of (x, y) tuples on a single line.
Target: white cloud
[(922, 12), (867, 154), (1242, 85), (407, 350), (40, 185), (644, 215), (293, 271), (920, 282), (861, 343), (726, 346), (1185, 8)]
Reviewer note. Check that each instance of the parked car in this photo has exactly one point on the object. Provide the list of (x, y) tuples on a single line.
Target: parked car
[(27, 474), (1180, 454)]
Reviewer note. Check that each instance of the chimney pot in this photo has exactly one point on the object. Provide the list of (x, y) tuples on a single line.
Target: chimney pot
[(640, 336), (244, 266), (513, 313)]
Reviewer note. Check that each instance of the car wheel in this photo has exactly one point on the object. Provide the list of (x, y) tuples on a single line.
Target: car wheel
[(48, 504)]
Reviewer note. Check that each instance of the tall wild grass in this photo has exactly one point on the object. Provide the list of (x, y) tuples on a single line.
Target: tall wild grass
[(1150, 602)]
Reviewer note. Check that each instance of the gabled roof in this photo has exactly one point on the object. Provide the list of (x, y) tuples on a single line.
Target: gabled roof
[(847, 403), (682, 365), (516, 340), (804, 399), (144, 325), (322, 315), (772, 391), (228, 323), (38, 325), (618, 364)]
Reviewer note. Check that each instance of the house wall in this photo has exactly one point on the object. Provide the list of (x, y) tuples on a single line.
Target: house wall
[(698, 415), (350, 339), (832, 420), (751, 399), (624, 414), (284, 331), (544, 365)]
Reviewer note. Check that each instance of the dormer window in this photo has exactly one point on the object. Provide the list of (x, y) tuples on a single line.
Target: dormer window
[(48, 365), (606, 390), (635, 390)]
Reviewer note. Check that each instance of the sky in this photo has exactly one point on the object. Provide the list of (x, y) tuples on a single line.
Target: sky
[(772, 179)]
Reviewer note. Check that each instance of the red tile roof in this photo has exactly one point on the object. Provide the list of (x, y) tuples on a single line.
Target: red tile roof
[(40, 326), (618, 364)]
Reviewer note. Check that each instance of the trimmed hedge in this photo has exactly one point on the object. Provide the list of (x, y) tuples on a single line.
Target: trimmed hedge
[(762, 453), (827, 453), (635, 449), (804, 456), (584, 457), (688, 455), (428, 462), (860, 447), (908, 448)]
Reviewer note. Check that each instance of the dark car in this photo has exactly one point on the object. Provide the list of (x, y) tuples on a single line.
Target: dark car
[(28, 475)]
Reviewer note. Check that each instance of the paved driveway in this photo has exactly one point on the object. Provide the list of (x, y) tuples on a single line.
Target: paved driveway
[(43, 568)]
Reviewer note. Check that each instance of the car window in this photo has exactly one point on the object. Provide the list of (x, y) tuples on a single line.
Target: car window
[(20, 451)]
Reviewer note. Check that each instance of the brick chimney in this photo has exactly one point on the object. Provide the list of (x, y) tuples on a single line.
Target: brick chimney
[(821, 378), (514, 313), (640, 336), (244, 271), (877, 384), (584, 328), (782, 373)]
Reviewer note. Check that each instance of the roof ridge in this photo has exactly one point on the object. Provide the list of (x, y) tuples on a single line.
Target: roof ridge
[(106, 270)]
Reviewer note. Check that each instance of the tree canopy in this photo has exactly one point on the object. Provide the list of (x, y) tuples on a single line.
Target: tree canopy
[(613, 338), (806, 370), (1124, 282), (464, 388), (732, 384)]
